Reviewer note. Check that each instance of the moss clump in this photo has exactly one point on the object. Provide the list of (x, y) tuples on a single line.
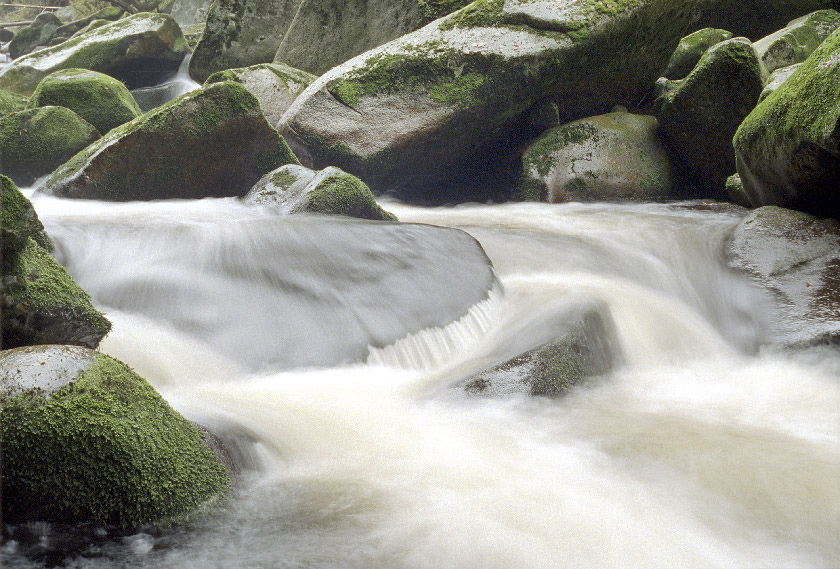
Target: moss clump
[(691, 48), (100, 99), (434, 9), (18, 220), (479, 14), (106, 449), (339, 193), (11, 102)]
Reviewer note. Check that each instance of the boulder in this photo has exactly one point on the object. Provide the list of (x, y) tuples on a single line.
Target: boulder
[(100, 99), (585, 345), (138, 50), (735, 191), (212, 142), (108, 13), (324, 34), (18, 220), (794, 43), (700, 114), (797, 258), (275, 86), (37, 34), (295, 189), (690, 49), (241, 33), (11, 102), (188, 13), (426, 116), (788, 148), (777, 79), (608, 157), (86, 440), (34, 142)]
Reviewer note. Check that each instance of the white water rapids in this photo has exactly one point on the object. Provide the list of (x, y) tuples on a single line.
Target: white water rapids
[(704, 448)]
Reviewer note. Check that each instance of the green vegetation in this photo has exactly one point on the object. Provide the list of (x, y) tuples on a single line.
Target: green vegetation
[(339, 193)]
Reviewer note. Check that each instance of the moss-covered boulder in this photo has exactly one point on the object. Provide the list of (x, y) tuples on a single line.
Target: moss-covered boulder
[(700, 114), (429, 114), (585, 345), (100, 99), (295, 189), (608, 157), (795, 257), (18, 220), (788, 148), (327, 33), (794, 43), (275, 86), (11, 102), (139, 50), (690, 49), (34, 142), (68, 30), (86, 440), (211, 142), (735, 191), (241, 33), (37, 34)]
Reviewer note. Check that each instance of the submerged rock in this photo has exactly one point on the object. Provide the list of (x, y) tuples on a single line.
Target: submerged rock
[(100, 99), (34, 142), (139, 50), (585, 345), (86, 440), (700, 114), (609, 157), (690, 49), (211, 142), (275, 86), (797, 258), (788, 148), (794, 43)]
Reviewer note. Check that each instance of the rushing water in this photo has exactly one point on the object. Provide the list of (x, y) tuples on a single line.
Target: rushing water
[(704, 448)]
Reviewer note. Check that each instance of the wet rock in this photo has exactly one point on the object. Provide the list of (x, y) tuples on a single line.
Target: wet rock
[(797, 258), (690, 49), (295, 189), (85, 439), (211, 142), (99, 99), (37, 34), (794, 43), (139, 50), (608, 157), (699, 114), (586, 345), (34, 142), (788, 148), (736, 192), (777, 79), (275, 86)]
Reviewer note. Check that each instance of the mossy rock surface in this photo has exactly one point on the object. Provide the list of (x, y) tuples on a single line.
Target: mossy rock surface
[(282, 190), (788, 148), (690, 49), (212, 142), (275, 86), (108, 13), (11, 102), (139, 50), (428, 116), (777, 79), (797, 40), (42, 304), (34, 142), (699, 114), (86, 440), (18, 220), (100, 99), (616, 156), (35, 35)]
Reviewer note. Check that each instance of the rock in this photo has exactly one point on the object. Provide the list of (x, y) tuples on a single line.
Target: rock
[(788, 148), (86, 440), (11, 102), (797, 40), (34, 142), (777, 79), (212, 142), (607, 157), (427, 115), (544, 115), (585, 345), (139, 50), (190, 12), (690, 49), (295, 189), (735, 190), (797, 257), (18, 220), (35, 35), (108, 13), (275, 86), (700, 114), (241, 33), (325, 34), (100, 99)]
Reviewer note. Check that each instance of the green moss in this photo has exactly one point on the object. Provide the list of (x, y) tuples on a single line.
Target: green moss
[(344, 194), (11, 102), (481, 13), (458, 89), (104, 449), (434, 9), (18, 220), (540, 155), (283, 179)]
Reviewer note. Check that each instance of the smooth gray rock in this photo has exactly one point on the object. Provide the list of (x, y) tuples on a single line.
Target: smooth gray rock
[(777, 79), (795, 42)]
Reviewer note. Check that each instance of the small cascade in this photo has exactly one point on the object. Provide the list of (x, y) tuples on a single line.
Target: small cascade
[(149, 98)]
